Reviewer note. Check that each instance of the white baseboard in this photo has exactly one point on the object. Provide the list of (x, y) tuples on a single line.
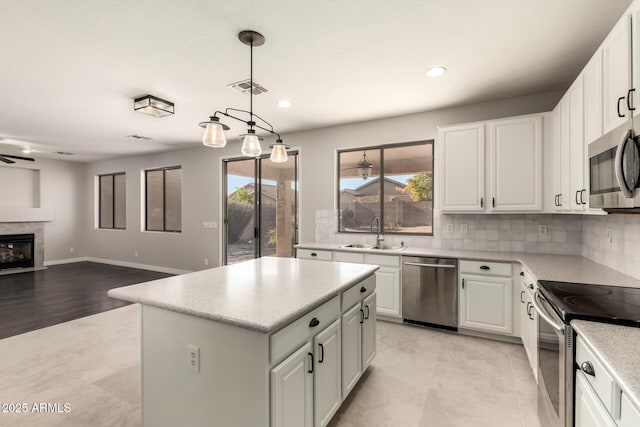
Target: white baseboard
[(158, 268), (65, 261)]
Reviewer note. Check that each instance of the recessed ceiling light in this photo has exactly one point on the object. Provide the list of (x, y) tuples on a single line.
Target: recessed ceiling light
[(284, 104), (436, 71), (27, 151)]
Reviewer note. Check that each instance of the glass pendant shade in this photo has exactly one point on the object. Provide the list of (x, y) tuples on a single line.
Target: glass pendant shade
[(279, 153), (364, 166), (251, 145), (214, 135), (364, 172)]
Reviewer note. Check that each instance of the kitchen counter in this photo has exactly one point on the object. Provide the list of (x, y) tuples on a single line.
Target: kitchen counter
[(618, 348), (261, 295), (560, 268)]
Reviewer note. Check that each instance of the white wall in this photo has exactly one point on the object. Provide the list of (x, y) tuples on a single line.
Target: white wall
[(62, 188), (20, 187)]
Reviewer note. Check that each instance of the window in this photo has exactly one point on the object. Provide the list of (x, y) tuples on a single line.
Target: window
[(164, 199), (393, 183), (112, 201)]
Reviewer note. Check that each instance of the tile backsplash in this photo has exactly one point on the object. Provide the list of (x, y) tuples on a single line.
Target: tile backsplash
[(505, 233), (622, 250)]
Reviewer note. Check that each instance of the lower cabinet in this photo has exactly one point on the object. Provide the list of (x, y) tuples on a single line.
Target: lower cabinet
[(327, 379), (292, 390), (529, 326), (589, 410), (368, 330), (388, 290), (485, 303)]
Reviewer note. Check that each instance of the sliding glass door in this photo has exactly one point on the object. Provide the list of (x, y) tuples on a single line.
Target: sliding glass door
[(260, 208)]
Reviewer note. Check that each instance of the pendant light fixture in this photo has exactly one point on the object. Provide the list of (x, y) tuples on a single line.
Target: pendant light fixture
[(364, 166), (214, 129)]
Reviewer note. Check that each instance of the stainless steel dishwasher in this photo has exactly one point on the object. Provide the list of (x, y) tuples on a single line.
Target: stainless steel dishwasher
[(430, 291)]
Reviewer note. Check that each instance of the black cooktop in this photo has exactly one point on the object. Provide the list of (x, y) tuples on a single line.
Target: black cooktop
[(612, 304)]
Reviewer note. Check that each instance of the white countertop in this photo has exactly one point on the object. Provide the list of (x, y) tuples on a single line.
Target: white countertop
[(262, 295), (618, 348), (560, 268)]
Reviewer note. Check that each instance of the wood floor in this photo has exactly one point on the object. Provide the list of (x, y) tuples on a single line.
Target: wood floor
[(34, 300)]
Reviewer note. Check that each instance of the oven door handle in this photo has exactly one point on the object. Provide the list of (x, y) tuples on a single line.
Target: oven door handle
[(557, 326), (620, 178)]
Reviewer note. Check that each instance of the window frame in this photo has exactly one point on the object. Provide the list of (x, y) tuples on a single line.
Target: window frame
[(381, 149), (113, 201), (164, 199)]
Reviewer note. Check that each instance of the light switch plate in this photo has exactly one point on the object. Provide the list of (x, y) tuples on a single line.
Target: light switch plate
[(543, 230)]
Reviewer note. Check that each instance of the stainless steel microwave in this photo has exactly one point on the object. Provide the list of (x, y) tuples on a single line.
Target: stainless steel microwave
[(614, 171)]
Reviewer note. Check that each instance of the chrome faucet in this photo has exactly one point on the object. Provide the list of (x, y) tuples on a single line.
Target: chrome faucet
[(379, 236)]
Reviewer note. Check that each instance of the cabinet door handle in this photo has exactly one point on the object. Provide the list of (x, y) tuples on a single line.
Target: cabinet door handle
[(521, 297), (581, 198), (619, 113), (630, 99), (311, 368), (482, 202), (485, 267), (522, 273), (560, 199), (361, 316), (321, 353), (366, 312), (587, 368), (314, 322), (493, 202), (314, 254), (462, 283), (363, 289)]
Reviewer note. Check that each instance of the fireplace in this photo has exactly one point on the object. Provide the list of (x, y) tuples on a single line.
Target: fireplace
[(16, 250)]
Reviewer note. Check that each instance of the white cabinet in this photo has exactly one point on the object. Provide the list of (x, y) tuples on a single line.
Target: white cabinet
[(529, 324), (592, 80), (577, 147), (515, 164), (557, 157), (616, 77), (351, 349), (368, 330), (462, 149), (629, 416), (589, 411), (327, 383), (485, 297), (388, 291), (505, 178), (292, 390)]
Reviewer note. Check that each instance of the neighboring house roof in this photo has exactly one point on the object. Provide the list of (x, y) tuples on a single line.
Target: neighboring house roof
[(375, 181)]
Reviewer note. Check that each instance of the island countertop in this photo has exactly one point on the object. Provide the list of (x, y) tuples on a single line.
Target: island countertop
[(262, 295)]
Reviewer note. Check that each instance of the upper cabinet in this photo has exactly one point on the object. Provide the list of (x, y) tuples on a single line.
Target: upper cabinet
[(592, 80), (616, 81), (511, 167), (462, 149), (577, 147)]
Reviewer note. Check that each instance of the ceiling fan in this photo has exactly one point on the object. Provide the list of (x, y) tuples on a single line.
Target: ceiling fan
[(7, 158)]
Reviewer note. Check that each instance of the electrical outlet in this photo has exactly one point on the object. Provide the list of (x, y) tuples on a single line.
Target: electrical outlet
[(464, 228), (543, 230), (135, 253), (450, 228), (206, 261), (609, 235), (194, 358), (72, 249)]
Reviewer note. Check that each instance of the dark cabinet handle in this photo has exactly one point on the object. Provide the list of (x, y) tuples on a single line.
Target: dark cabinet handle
[(529, 307), (587, 368), (314, 254), (619, 113), (361, 316), (493, 202), (560, 199), (462, 283), (321, 353), (482, 202), (581, 198), (366, 312), (521, 295), (314, 322), (311, 368), (363, 289), (630, 100), (485, 267), (522, 273)]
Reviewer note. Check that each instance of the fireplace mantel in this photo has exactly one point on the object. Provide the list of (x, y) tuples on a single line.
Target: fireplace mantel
[(26, 215)]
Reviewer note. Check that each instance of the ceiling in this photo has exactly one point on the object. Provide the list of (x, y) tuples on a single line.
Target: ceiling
[(71, 68)]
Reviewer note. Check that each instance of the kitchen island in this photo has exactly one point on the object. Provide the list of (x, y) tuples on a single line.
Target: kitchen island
[(268, 342)]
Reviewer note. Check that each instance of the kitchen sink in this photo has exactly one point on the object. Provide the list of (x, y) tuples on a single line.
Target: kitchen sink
[(380, 248), (358, 245)]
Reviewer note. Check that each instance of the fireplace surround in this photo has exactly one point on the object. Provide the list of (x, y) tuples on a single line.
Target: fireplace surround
[(17, 251)]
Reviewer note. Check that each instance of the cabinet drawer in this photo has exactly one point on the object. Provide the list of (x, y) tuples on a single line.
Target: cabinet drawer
[(314, 254), (382, 260), (602, 383), (355, 294), (292, 336), (349, 257), (483, 267), (629, 416)]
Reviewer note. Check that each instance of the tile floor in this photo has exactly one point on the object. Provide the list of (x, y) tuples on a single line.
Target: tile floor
[(420, 377)]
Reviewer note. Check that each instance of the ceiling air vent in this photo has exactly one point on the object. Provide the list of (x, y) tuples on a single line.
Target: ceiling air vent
[(136, 136), (244, 86), (63, 153)]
